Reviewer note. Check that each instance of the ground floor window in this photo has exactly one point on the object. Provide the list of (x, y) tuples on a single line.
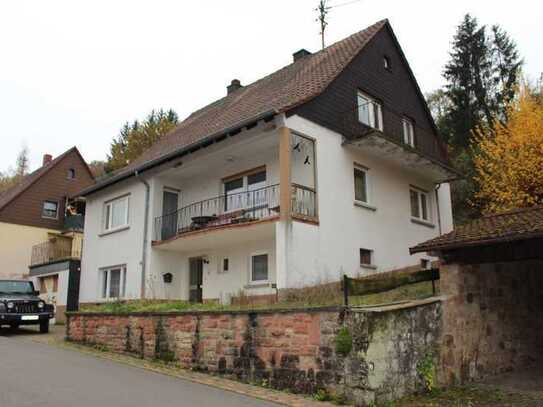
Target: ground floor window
[(259, 268), (113, 283), (366, 257)]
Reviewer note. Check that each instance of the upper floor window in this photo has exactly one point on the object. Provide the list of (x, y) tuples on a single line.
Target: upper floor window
[(386, 63), (50, 210), (369, 111), (116, 213), (361, 184), (70, 174), (408, 132), (420, 204)]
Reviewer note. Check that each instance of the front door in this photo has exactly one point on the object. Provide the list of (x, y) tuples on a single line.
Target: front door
[(170, 200), (196, 274)]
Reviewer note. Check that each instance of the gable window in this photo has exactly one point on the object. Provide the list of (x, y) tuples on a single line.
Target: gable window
[(386, 63), (420, 204), (408, 132), (259, 268), (366, 257), (116, 213), (113, 282), (369, 111), (70, 174), (50, 210), (245, 190), (361, 184)]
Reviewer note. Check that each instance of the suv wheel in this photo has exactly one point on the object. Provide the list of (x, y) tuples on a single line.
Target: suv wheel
[(44, 327)]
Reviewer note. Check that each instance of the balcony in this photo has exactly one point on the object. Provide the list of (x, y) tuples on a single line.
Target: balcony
[(233, 210), (57, 248), (427, 155)]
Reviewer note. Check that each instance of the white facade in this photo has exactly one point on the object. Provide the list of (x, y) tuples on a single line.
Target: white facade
[(298, 253)]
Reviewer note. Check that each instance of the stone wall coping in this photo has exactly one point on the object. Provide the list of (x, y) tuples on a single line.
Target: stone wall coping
[(397, 305), (209, 312)]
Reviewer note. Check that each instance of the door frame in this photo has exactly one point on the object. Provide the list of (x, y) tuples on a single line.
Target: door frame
[(199, 286)]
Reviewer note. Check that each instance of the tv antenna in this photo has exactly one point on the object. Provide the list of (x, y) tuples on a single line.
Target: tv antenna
[(323, 9)]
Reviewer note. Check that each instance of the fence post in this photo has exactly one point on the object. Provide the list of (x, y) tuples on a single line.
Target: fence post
[(345, 290)]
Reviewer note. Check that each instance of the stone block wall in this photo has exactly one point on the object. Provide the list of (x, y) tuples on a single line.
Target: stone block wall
[(291, 349), (492, 319)]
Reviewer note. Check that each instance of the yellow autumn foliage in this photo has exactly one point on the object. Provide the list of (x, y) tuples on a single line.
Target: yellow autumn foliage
[(509, 161)]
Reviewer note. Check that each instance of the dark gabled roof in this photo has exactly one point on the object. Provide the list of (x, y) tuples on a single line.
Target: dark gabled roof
[(10, 194), (281, 91), (518, 224)]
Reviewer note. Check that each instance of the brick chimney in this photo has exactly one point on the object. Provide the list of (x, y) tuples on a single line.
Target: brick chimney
[(47, 158), (234, 85), (300, 54)]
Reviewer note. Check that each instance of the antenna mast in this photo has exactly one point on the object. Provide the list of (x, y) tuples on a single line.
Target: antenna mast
[(322, 9)]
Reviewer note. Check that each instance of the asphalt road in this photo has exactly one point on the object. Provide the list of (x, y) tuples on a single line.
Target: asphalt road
[(35, 374)]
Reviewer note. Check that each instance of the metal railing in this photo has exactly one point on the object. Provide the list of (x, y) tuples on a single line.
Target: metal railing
[(234, 208), (304, 201), (425, 140), (57, 249), (219, 211)]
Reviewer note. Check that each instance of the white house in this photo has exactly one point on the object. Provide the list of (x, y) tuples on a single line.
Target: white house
[(330, 166)]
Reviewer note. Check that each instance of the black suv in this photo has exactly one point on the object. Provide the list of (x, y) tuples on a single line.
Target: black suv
[(20, 305)]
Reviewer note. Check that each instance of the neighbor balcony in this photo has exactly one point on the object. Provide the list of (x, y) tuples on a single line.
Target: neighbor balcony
[(57, 248), (234, 210)]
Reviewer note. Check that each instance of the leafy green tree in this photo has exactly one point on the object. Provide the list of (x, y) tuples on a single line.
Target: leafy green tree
[(136, 137)]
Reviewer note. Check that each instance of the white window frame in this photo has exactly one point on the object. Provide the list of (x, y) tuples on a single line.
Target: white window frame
[(420, 192), (108, 214), (375, 110), (368, 204), (43, 207), (105, 282), (258, 282), (408, 127), (245, 188)]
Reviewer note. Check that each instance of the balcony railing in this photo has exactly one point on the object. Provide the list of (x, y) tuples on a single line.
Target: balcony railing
[(231, 209), (60, 248)]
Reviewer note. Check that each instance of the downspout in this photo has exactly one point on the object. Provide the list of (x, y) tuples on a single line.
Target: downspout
[(145, 230), (436, 188)]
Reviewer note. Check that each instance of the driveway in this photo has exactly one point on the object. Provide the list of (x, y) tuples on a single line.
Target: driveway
[(35, 374)]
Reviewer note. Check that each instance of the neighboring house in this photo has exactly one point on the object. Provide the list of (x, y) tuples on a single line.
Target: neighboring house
[(330, 166), (41, 226)]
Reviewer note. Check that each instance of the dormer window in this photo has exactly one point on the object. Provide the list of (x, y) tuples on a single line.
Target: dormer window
[(369, 111)]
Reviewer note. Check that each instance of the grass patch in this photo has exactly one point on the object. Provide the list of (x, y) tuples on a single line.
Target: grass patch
[(416, 291), (322, 295), (469, 396)]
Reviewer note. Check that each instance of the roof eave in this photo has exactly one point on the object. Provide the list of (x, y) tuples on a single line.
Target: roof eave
[(174, 155)]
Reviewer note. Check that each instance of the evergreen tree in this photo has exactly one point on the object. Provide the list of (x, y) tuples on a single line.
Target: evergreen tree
[(482, 76), (136, 138)]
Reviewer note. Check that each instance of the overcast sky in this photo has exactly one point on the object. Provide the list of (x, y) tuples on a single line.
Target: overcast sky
[(72, 72)]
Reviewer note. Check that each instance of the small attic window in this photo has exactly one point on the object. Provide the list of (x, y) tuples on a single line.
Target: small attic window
[(386, 63), (70, 174)]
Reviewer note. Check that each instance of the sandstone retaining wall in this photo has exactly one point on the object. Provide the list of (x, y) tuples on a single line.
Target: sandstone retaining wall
[(288, 349)]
